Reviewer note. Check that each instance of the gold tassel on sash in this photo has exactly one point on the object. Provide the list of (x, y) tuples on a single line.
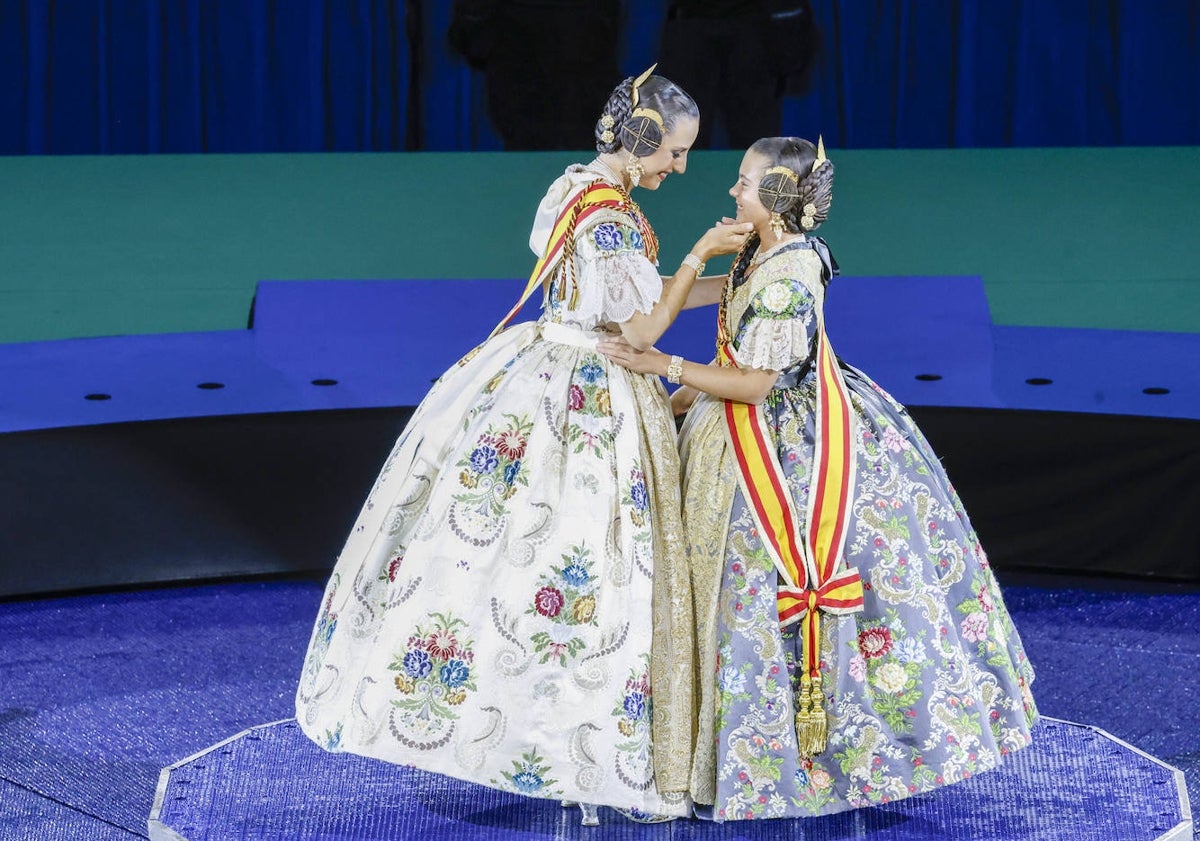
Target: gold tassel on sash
[(814, 577), (811, 724)]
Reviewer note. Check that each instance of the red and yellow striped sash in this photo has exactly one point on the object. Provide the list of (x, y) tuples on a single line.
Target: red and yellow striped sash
[(814, 578), (593, 197), (808, 562), (764, 485)]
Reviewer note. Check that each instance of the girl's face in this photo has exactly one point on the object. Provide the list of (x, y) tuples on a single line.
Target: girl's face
[(745, 194), (671, 155)]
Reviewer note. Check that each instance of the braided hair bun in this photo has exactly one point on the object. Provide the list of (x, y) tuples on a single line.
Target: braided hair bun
[(617, 110), (642, 134), (804, 205), (779, 189), (640, 129), (816, 195)]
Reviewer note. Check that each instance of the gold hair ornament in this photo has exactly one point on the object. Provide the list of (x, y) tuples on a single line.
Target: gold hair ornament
[(607, 123), (634, 165), (776, 192), (820, 153), (808, 216), (637, 83), (808, 213), (786, 172), (649, 114)]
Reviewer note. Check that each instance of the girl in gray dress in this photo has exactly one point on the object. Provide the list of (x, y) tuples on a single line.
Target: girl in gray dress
[(853, 645)]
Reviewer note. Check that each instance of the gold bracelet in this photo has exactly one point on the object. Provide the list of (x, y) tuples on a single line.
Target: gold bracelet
[(675, 370), (695, 262)]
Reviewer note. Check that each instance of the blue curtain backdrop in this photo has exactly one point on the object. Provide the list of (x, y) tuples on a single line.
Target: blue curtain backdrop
[(144, 76)]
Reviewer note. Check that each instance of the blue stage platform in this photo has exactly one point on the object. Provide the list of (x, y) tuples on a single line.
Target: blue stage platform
[(1075, 783), (358, 344)]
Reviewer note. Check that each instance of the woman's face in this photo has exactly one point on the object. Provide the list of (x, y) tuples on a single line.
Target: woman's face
[(671, 155), (745, 193)]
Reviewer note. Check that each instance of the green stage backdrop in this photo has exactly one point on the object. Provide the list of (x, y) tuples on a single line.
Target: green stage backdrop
[(94, 246)]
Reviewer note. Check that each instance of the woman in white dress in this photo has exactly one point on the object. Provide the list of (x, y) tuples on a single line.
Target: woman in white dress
[(512, 606)]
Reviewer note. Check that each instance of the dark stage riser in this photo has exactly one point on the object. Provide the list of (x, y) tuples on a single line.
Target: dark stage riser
[(140, 503)]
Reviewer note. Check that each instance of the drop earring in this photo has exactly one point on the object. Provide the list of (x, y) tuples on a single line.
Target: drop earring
[(776, 224), (634, 167)]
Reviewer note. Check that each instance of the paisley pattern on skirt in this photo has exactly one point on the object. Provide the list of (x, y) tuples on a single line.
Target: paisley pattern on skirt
[(927, 685), (512, 606)]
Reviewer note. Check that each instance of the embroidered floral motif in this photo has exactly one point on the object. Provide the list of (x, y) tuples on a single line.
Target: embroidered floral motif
[(893, 665), (434, 673), (492, 470), (974, 627), (591, 423), (327, 624), (611, 238), (636, 242), (893, 441), (875, 642), (815, 786), (985, 626), (608, 236), (333, 738), (529, 776), (393, 569), (780, 298), (636, 497), (732, 682), (566, 599), (633, 712), (591, 371)]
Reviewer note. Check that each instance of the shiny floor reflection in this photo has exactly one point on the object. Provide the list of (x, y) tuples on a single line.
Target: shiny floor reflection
[(270, 782)]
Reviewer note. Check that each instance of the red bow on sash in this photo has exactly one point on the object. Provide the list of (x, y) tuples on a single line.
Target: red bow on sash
[(814, 579)]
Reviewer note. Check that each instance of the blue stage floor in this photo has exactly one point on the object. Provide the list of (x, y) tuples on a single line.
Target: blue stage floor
[(98, 693), (1073, 784)]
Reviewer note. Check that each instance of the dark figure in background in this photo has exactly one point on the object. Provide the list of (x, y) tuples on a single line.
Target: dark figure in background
[(738, 58), (533, 52)]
